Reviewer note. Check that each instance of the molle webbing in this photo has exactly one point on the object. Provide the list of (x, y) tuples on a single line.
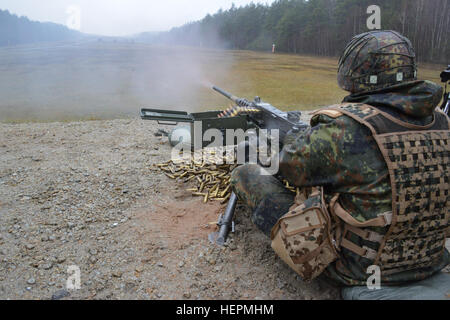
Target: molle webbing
[(418, 163)]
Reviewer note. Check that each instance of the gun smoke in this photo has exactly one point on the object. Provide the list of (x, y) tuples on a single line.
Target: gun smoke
[(106, 79)]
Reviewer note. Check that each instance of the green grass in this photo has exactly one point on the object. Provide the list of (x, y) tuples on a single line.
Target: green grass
[(288, 81), (91, 81)]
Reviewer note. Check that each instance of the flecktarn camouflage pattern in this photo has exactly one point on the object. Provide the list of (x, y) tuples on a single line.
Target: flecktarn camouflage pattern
[(417, 158), (263, 194), (341, 155), (411, 102), (376, 60)]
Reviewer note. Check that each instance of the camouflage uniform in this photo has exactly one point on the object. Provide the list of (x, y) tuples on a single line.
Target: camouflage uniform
[(341, 155), (265, 195)]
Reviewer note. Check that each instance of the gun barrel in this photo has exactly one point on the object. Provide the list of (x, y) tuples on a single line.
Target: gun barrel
[(226, 94), (222, 92)]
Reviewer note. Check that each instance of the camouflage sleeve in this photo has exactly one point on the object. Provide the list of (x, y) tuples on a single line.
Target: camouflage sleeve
[(328, 153)]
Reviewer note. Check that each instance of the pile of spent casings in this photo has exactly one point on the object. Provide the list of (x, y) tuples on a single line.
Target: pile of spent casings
[(208, 170)]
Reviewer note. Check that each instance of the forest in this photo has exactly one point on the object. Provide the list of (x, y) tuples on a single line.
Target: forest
[(19, 30), (311, 27), (319, 27)]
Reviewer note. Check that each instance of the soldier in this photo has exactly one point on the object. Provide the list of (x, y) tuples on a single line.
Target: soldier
[(374, 173)]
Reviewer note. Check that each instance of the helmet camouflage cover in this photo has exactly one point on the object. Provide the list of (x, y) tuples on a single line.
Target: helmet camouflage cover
[(376, 60)]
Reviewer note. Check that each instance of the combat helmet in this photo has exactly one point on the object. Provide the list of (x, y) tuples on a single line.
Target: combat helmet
[(376, 60)]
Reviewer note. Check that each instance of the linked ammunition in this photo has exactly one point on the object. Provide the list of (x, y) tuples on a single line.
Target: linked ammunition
[(237, 110)]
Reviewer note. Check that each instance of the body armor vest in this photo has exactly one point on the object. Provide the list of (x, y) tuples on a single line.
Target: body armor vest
[(417, 158)]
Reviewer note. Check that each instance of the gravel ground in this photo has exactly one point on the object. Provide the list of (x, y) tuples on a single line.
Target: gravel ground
[(82, 194)]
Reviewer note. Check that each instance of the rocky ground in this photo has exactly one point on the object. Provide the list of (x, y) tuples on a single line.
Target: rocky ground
[(82, 194)]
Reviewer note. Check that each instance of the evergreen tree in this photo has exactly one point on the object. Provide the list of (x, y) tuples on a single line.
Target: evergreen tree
[(19, 30), (320, 27)]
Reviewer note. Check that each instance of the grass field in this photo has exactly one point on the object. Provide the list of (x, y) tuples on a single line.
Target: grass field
[(77, 81)]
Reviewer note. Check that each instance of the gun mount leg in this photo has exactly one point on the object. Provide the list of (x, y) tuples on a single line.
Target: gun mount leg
[(225, 223)]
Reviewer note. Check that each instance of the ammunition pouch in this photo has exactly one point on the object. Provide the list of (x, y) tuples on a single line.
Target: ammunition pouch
[(302, 237)]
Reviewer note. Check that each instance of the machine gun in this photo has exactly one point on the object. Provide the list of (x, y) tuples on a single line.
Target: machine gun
[(245, 115), (264, 116), (445, 78), (272, 118)]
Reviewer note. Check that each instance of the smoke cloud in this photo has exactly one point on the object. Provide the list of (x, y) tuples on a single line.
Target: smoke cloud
[(107, 79)]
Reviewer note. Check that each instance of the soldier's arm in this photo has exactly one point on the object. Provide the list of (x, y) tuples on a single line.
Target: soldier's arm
[(315, 157)]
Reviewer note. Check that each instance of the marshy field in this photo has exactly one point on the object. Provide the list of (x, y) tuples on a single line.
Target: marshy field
[(98, 80)]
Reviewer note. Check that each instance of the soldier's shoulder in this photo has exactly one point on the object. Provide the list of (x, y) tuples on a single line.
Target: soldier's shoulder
[(325, 115), (345, 110), (338, 110)]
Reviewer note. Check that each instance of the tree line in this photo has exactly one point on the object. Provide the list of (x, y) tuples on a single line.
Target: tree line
[(19, 30), (318, 27)]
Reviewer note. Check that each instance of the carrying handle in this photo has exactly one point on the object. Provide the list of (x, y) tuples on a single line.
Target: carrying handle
[(167, 123)]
